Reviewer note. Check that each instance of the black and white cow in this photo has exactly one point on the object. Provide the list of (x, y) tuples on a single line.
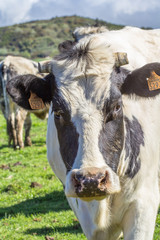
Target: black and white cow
[(103, 137), (15, 116)]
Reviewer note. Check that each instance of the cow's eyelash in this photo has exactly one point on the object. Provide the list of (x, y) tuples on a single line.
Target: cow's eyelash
[(57, 110)]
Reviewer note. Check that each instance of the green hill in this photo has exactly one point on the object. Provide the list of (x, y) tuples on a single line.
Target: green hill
[(39, 39)]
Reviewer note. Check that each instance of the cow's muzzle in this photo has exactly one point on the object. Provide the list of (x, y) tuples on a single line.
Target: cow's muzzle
[(92, 183)]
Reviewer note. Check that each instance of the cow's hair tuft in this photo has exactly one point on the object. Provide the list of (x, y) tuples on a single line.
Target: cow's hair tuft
[(87, 52)]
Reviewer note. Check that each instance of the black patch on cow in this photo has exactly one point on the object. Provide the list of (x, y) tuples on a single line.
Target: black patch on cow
[(112, 134), (118, 76), (111, 142), (66, 46), (67, 134), (19, 88), (59, 104), (133, 140), (136, 81), (68, 141)]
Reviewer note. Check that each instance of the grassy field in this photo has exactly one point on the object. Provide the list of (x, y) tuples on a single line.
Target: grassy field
[(32, 202)]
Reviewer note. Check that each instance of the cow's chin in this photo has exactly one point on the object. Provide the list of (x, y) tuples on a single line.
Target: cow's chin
[(88, 199)]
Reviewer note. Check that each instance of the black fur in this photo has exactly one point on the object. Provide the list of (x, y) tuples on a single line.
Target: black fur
[(67, 134), (136, 81), (66, 46), (133, 140), (112, 133), (111, 142), (20, 86), (68, 141)]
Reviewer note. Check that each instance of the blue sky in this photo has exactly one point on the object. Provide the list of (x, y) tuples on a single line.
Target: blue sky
[(141, 13)]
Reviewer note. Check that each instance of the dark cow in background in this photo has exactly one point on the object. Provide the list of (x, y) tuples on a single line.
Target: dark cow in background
[(103, 131), (15, 116)]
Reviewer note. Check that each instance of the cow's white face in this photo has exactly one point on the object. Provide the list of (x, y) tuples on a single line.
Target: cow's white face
[(88, 116), (85, 86)]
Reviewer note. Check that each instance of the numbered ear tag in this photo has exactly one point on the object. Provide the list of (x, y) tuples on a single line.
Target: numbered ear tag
[(153, 81), (36, 102)]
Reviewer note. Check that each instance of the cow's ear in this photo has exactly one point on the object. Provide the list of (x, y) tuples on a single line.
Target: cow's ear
[(143, 82), (31, 92)]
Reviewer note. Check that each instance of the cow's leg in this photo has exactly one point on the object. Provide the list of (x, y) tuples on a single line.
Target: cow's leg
[(9, 131), (12, 129), (27, 126), (20, 118), (9, 113), (139, 221)]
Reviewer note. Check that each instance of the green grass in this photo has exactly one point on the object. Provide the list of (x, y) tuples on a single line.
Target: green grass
[(32, 213), (28, 213)]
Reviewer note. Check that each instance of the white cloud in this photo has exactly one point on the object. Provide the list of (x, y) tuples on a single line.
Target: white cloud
[(15, 11), (131, 7), (126, 6), (116, 11), (98, 2)]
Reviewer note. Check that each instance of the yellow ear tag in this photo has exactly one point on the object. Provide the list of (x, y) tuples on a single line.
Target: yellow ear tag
[(153, 81), (36, 102)]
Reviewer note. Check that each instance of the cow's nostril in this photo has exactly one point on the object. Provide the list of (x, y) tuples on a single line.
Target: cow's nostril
[(103, 180), (77, 178)]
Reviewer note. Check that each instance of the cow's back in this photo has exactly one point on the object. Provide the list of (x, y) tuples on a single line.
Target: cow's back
[(20, 65), (142, 46)]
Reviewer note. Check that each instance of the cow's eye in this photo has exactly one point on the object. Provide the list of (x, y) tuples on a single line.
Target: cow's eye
[(57, 114), (117, 108)]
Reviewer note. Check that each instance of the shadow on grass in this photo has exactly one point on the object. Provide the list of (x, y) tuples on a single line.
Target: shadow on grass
[(55, 201), (48, 230), (5, 146), (39, 142)]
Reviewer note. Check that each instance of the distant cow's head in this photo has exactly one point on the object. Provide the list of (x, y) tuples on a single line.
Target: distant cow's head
[(85, 87)]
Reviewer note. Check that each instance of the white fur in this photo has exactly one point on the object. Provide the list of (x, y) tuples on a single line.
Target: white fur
[(133, 210), (53, 149), (141, 46), (80, 32)]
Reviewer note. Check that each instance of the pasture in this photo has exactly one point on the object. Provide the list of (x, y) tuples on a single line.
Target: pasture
[(32, 202)]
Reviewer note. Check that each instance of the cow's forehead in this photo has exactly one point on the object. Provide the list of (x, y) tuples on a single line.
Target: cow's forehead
[(90, 56), (83, 73)]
